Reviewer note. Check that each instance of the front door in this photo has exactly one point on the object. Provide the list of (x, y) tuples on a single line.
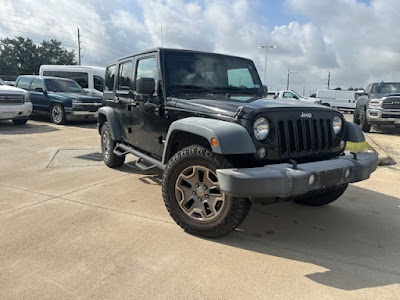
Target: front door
[(39, 99), (153, 126)]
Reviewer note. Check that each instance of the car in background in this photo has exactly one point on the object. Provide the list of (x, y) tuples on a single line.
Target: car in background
[(63, 99), (379, 105), (344, 100), (15, 104), (292, 95), (91, 79)]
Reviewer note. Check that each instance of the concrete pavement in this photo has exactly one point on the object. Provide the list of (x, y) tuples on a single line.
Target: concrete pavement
[(71, 228)]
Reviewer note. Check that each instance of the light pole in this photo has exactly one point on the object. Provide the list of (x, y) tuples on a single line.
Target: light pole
[(288, 73), (266, 47)]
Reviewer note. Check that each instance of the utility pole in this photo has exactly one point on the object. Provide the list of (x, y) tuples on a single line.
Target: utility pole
[(288, 74), (329, 79), (266, 47), (79, 48)]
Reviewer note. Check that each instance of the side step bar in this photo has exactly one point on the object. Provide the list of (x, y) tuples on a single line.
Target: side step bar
[(144, 163)]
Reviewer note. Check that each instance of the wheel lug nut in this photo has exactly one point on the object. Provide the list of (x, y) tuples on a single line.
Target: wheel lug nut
[(197, 185), (194, 193), (204, 187), (206, 196)]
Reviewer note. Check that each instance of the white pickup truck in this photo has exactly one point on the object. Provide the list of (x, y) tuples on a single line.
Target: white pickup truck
[(292, 95), (15, 104)]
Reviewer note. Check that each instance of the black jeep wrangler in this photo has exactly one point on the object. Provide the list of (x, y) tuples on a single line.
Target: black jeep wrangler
[(204, 120)]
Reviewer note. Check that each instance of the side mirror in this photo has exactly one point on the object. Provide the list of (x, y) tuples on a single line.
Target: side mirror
[(265, 88), (40, 90), (145, 86)]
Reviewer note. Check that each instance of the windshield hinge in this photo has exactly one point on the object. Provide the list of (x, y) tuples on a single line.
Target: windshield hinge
[(239, 113)]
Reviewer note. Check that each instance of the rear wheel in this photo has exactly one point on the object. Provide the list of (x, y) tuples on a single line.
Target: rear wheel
[(193, 197), (364, 122), (107, 147), (20, 121), (57, 114), (322, 197)]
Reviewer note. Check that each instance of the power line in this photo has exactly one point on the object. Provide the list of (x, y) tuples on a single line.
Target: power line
[(100, 48), (2, 20), (122, 51)]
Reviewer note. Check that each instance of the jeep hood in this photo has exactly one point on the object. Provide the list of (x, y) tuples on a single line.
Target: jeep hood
[(229, 108)]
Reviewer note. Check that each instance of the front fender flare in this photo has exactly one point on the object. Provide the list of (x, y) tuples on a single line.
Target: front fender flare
[(354, 133), (115, 126), (232, 138)]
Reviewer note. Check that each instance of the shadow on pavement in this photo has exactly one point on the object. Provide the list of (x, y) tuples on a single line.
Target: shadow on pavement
[(9, 128), (357, 238), (386, 130), (81, 124)]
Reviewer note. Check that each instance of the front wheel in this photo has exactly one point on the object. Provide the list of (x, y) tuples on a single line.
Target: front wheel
[(193, 197), (364, 122), (356, 118), (57, 114), (322, 197)]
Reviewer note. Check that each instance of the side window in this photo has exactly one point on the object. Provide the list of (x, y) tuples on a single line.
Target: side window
[(147, 68), (23, 83), (125, 76), (368, 89), (240, 78), (288, 95), (98, 83), (109, 81), (82, 78), (37, 83)]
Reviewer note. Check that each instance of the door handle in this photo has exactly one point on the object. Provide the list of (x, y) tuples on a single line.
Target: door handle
[(117, 100)]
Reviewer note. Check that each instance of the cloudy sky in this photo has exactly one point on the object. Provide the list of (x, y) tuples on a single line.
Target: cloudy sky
[(357, 41)]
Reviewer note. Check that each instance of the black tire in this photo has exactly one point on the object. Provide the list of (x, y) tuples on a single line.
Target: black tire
[(356, 118), (322, 197), (107, 147), (364, 122), (220, 223), (57, 114), (20, 121)]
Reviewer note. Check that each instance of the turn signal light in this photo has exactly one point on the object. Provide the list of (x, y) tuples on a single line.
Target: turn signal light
[(214, 142)]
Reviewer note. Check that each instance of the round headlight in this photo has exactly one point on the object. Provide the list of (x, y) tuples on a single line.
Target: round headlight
[(261, 128), (337, 124)]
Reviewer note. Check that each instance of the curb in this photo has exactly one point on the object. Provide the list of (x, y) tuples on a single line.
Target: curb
[(383, 158)]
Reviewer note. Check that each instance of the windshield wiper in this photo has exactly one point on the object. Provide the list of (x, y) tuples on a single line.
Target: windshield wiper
[(233, 88), (189, 87)]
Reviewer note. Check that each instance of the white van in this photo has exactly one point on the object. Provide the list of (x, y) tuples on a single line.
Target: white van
[(91, 79), (339, 99)]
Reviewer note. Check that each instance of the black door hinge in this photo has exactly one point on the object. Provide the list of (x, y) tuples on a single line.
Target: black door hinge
[(239, 113)]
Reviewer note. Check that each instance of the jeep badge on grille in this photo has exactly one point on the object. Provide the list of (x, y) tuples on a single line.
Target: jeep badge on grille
[(306, 115)]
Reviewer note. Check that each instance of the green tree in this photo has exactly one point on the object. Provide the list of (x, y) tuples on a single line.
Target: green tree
[(22, 56)]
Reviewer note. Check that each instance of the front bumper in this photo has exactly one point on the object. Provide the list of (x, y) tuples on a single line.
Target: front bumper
[(282, 180), (82, 111), (20, 111), (383, 116)]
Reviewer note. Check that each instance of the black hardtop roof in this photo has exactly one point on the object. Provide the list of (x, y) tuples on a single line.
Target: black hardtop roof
[(161, 49)]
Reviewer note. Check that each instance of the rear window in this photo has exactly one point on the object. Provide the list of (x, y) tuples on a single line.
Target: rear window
[(23, 83), (109, 80), (82, 78), (125, 75)]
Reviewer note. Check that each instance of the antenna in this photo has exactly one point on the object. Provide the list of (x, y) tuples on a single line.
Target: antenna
[(162, 38)]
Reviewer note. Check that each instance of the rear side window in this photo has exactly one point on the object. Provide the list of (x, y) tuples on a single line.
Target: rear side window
[(110, 76), (23, 83), (98, 83), (82, 78), (37, 83), (125, 75)]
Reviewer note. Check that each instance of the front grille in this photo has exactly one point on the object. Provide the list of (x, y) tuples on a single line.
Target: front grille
[(304, 137), (391, 103), (11, 99)]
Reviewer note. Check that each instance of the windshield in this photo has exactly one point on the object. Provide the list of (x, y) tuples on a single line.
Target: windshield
[(64, 86), (1, 82), (386, 88), (208, 74)]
